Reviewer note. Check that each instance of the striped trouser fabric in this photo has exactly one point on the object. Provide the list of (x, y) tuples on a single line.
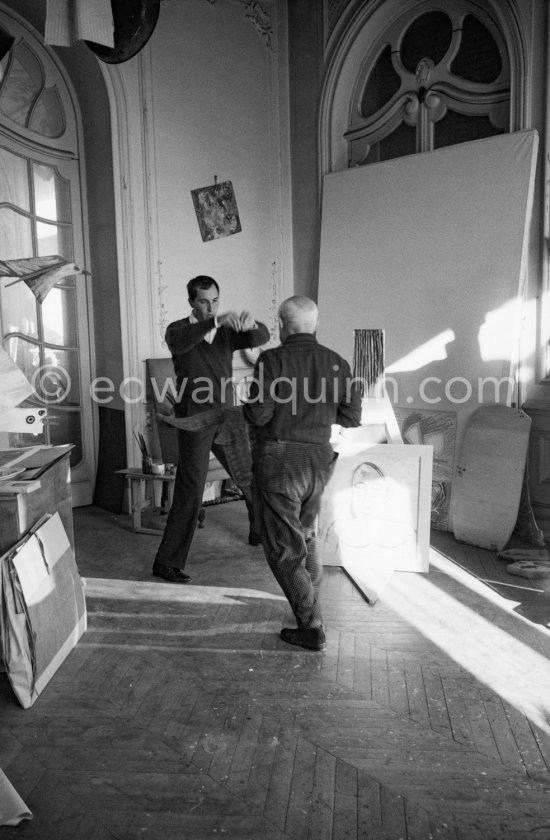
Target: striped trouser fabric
[(289, 479)]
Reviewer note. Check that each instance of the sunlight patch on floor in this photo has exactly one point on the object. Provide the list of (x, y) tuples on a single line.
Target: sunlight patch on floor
[(131, 590), (226, 630), (480, 645)]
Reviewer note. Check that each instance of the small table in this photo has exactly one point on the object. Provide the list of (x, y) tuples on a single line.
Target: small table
[(140, 487)]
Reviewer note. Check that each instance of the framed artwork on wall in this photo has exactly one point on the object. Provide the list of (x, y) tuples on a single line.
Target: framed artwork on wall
[(216, 209)]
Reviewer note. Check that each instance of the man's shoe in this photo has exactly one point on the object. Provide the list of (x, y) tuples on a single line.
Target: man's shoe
[(254, 538), (311, 639), (170, 573)]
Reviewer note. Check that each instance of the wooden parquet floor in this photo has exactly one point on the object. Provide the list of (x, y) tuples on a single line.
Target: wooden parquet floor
[(181, 715)]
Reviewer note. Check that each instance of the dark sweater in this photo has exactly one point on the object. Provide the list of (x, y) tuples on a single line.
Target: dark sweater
[(301, 388), (204, 371)]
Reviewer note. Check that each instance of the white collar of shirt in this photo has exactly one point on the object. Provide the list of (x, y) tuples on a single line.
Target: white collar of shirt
[(209, 336)]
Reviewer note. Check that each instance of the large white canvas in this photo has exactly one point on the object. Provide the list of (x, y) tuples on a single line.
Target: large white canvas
[(431, 248)]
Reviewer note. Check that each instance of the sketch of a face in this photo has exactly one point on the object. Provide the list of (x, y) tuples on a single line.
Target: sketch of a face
[(369, 489)]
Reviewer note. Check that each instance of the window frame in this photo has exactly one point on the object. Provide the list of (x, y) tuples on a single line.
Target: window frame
[(65, 155), (419, 106)]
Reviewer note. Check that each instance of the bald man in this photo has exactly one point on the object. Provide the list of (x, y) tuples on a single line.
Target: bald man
[(300, 389)]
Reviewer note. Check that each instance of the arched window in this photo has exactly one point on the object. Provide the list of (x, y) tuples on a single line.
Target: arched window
[(41, 215), (438, 75)]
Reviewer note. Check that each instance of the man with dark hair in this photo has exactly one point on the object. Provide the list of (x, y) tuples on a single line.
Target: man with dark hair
[(300, 390), (202, 347)]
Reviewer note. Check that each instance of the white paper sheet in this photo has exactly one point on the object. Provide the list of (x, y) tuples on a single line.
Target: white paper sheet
[(12, 807), (14, 385)]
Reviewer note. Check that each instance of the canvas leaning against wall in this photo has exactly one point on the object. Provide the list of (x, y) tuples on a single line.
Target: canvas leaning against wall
[(438, 430), (449, 296), (376, 508)]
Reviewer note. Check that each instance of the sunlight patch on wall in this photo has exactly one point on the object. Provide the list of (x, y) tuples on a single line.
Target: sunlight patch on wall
[(545, 320), (529, 330), (431, 351), (499, 334)]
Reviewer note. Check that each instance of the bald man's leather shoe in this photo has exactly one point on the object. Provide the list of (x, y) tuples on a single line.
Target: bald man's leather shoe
[(170, 573), (310, 639)]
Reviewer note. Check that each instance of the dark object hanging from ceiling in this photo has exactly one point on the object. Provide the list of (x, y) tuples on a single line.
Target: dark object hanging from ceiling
[(134, 22)]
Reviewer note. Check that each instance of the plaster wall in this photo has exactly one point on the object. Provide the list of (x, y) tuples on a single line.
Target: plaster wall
[(215, 114), (305, 37), (205, 99)]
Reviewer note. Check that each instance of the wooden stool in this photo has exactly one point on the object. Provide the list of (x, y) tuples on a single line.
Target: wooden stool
[(141, 495)]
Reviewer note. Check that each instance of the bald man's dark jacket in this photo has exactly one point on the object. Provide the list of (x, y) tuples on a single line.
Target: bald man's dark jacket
[(300, 389)]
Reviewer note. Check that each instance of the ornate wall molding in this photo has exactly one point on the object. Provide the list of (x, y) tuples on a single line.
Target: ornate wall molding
[(257, 15), (162, 311), (260, 20), (276, 300)]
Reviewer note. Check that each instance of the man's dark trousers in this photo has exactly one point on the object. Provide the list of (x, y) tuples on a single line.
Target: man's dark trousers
[(229, 443)]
